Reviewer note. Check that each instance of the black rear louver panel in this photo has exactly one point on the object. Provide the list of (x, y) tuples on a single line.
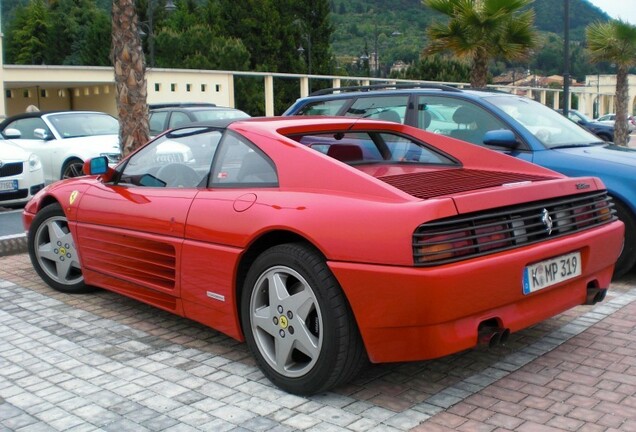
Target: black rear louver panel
[(443, 182), (472, 235)]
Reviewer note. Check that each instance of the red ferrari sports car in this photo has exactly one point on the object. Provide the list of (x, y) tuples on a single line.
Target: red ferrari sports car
[(327, 242)]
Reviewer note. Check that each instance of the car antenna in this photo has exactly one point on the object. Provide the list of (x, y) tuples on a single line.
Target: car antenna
[(358, 118)]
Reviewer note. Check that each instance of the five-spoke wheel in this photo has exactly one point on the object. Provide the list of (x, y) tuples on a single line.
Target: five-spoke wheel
[(297, 321), (73, 168), (52, 251), (286, 321)]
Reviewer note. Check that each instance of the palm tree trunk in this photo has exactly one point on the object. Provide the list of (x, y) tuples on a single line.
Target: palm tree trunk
[(130, 77), (621, 131), (479, 72)]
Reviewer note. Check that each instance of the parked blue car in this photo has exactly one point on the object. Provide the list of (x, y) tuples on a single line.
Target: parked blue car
[(512, 124), (601, 130)]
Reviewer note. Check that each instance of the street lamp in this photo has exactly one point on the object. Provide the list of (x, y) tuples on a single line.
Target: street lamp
[(169, 7), (301, 51), (376, 54), (364, 58)]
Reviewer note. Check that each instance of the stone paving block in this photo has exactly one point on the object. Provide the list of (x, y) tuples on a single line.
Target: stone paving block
[(231, 414), (335, 416), (19, 421), (208, 404), (301, 421), (406, 420)]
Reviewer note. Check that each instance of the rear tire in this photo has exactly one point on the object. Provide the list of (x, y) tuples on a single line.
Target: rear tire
[(297, 322), (627, 259)]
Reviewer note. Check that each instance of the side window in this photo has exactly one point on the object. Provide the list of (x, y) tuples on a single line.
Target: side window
[(388, 108), (240, 163), (26, 127), (323, 108), (180, 159), (157, 121), (457, 118), (177, 119)]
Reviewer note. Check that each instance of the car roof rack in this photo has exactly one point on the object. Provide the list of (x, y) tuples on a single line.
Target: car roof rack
[(386, 86), (180, 105)]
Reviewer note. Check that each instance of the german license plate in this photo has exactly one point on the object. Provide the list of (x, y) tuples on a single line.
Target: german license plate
[(550, 272), (8, 186)]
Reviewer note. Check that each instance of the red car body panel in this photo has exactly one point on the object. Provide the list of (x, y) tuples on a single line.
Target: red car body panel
[(181, 249), (415, 313)]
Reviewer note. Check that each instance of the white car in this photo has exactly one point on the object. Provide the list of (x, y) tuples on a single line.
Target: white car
[(610, 119), (64, 140), (21, 174)]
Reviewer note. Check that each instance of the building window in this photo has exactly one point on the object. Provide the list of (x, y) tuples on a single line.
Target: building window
[(26, 93), (204, 88), (157, 87), (173, 87), (8, 94), (218, 88), (188, 87)]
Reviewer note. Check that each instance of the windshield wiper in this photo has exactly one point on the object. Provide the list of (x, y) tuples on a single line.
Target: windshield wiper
[(564, 146)]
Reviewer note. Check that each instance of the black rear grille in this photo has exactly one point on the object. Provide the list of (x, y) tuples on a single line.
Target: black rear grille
[(11, 169), (472, 235)]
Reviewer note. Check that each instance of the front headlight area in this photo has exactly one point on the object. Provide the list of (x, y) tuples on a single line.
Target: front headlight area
[(34, 163), (113, 158)]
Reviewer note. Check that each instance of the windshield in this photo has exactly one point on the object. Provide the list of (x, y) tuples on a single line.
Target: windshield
[(80, 124), (576, 116), (547, 125)]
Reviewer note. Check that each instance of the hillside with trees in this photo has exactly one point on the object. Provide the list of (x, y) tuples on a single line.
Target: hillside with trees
[(397, 29), (341, 37)]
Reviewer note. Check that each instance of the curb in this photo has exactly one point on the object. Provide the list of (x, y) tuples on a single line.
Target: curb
[(13, 244)]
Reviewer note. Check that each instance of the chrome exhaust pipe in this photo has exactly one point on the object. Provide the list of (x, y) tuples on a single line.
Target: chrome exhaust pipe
[(595, 295), (491, 337)]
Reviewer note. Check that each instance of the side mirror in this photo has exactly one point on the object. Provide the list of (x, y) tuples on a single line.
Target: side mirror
[(41, 134), (501, 138), (98, 166), (11, 133)]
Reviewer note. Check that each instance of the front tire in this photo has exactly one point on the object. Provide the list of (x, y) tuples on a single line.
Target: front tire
[(297, 322), (72, 168), (627, 259), (52, 251)]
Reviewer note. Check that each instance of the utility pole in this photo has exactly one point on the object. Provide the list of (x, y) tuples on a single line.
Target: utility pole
[(566, 59)]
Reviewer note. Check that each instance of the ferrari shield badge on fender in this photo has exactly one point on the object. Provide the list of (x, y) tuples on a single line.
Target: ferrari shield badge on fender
[(73, 197)]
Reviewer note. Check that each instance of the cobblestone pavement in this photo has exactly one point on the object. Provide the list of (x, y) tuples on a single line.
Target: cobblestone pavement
[(104, 362)]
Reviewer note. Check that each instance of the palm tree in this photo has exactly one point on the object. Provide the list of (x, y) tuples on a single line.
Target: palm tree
[(482, 30), (615, 42), (130, 76)]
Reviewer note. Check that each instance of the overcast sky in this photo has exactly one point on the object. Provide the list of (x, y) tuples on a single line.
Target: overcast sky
[(623, 9)]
